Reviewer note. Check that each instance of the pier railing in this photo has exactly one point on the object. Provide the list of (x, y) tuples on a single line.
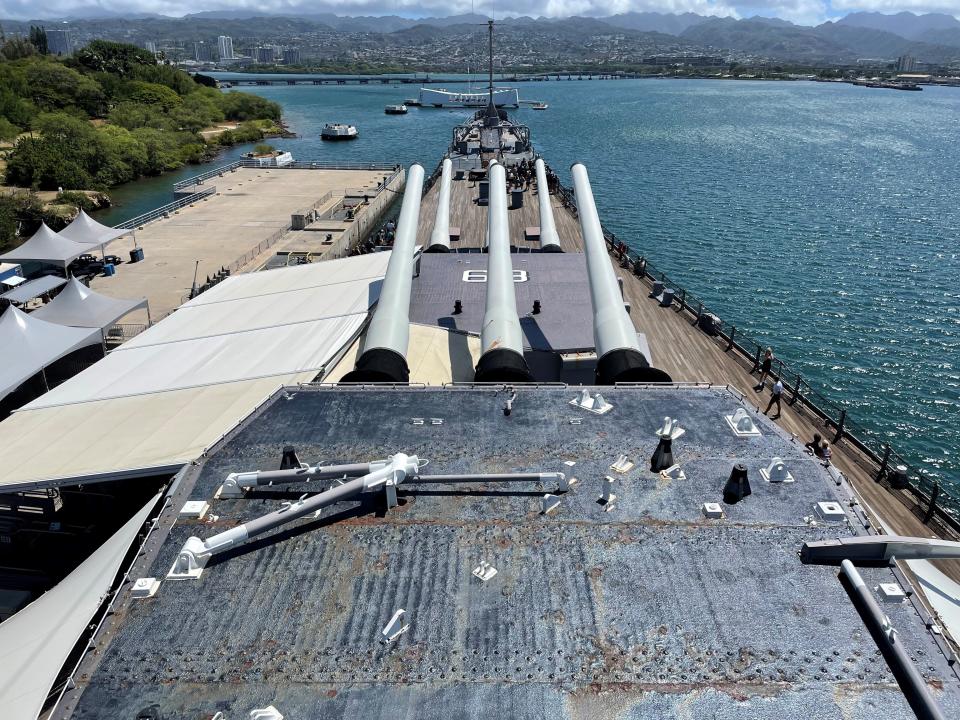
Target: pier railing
[(933, 503), (165, 210), (298, 165)]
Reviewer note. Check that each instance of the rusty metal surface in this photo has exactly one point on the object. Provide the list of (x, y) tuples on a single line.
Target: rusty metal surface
[(644, 611)]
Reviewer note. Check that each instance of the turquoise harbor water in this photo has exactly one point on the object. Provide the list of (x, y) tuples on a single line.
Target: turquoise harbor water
[(820, 218)]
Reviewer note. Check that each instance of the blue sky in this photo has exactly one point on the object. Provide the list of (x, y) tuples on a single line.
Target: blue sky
[(801, 11)]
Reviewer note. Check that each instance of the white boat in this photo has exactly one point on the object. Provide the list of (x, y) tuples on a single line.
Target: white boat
[(539, 106), (502, 97), (339, 131), (395, 110)]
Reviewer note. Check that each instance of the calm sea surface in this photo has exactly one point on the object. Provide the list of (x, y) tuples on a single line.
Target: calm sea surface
[(822, 219)]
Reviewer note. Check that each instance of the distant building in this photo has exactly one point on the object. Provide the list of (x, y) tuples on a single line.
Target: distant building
[(265, 54), (59, 42), (291, 56), (225, 45), (150, 46), (906, 64), (202, 52)]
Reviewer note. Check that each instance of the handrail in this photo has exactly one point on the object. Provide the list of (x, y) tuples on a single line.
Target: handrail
[(198, 179), (164, 210), (928, 492), (296, 165)]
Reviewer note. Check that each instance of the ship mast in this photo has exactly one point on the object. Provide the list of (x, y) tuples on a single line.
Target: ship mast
[(491, 106)]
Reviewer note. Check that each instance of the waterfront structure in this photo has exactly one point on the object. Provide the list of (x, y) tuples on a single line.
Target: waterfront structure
[(440, 97), (225, 47), (60, 42), (906, 64)]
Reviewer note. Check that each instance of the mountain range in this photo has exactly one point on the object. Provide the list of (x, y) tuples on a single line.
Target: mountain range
[(932, 37)]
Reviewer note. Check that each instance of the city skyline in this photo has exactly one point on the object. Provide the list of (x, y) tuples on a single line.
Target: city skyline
[(807, 12)]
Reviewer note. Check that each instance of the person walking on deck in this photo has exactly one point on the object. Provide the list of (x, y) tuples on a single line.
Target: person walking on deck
[(765, 369), (775, 398)]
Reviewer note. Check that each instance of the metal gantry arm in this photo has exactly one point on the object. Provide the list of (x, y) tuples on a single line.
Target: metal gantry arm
[(383, 475), (236, 483), (877, 550), (196, 552)]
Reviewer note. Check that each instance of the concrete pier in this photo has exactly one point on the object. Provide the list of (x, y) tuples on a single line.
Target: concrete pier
[(243, 223)]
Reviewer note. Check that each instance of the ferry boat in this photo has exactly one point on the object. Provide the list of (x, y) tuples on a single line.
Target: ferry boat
[(520, 512), (395, 109), (339, 131)]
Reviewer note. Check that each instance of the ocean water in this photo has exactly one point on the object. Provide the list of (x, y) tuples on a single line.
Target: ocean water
[(822, 219)]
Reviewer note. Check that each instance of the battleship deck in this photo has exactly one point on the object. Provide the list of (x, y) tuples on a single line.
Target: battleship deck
[(245, 219), (645, 610), (680, 348)]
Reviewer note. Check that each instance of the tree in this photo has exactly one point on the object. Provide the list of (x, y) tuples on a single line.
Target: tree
[(38, 38), (17, 48), (8, 131), (113, 57), (263, 149)]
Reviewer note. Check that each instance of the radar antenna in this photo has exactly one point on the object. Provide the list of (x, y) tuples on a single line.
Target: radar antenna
[(491, 106)]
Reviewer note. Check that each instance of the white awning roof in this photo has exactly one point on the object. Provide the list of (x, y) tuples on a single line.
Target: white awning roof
[(36, 642), (161, 400), (33, 288), (79, 306), (47, 246), (84, 229), (13, 280), (29, 345)]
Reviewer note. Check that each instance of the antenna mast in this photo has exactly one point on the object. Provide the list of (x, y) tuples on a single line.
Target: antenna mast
[(491, 107)]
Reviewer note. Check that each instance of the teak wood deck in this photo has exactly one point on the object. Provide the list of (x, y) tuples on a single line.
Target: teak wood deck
[(681, 349)]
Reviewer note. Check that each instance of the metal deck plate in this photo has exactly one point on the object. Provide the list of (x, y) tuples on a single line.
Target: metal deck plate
[(647, 611)]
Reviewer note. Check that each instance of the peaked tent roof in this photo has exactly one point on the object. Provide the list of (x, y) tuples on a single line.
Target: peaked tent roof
[(84, 229), (33, 344), (79, 306), (49, 247), (36, 642), (33, 288), (157, 404)]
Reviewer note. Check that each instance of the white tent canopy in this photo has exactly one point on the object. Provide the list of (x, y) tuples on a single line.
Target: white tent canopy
[(48, 247), (33, 288), (36, 642), (84, 229), (158, 402), (29, 345), (79, 306)]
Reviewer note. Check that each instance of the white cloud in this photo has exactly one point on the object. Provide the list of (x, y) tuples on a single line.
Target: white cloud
[(950, 7), (799, 11)]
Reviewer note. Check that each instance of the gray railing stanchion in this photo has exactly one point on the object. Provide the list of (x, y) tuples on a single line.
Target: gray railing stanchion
[(699, 314), (839, 436), (733, 331), (796, 390), (883, 464), (932, 509)]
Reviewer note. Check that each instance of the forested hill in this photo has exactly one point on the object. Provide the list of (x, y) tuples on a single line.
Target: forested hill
[(108, 115)]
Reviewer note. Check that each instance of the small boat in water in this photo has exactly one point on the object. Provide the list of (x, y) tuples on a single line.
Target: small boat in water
[(539, 106), (339, 131), (395, 110)]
